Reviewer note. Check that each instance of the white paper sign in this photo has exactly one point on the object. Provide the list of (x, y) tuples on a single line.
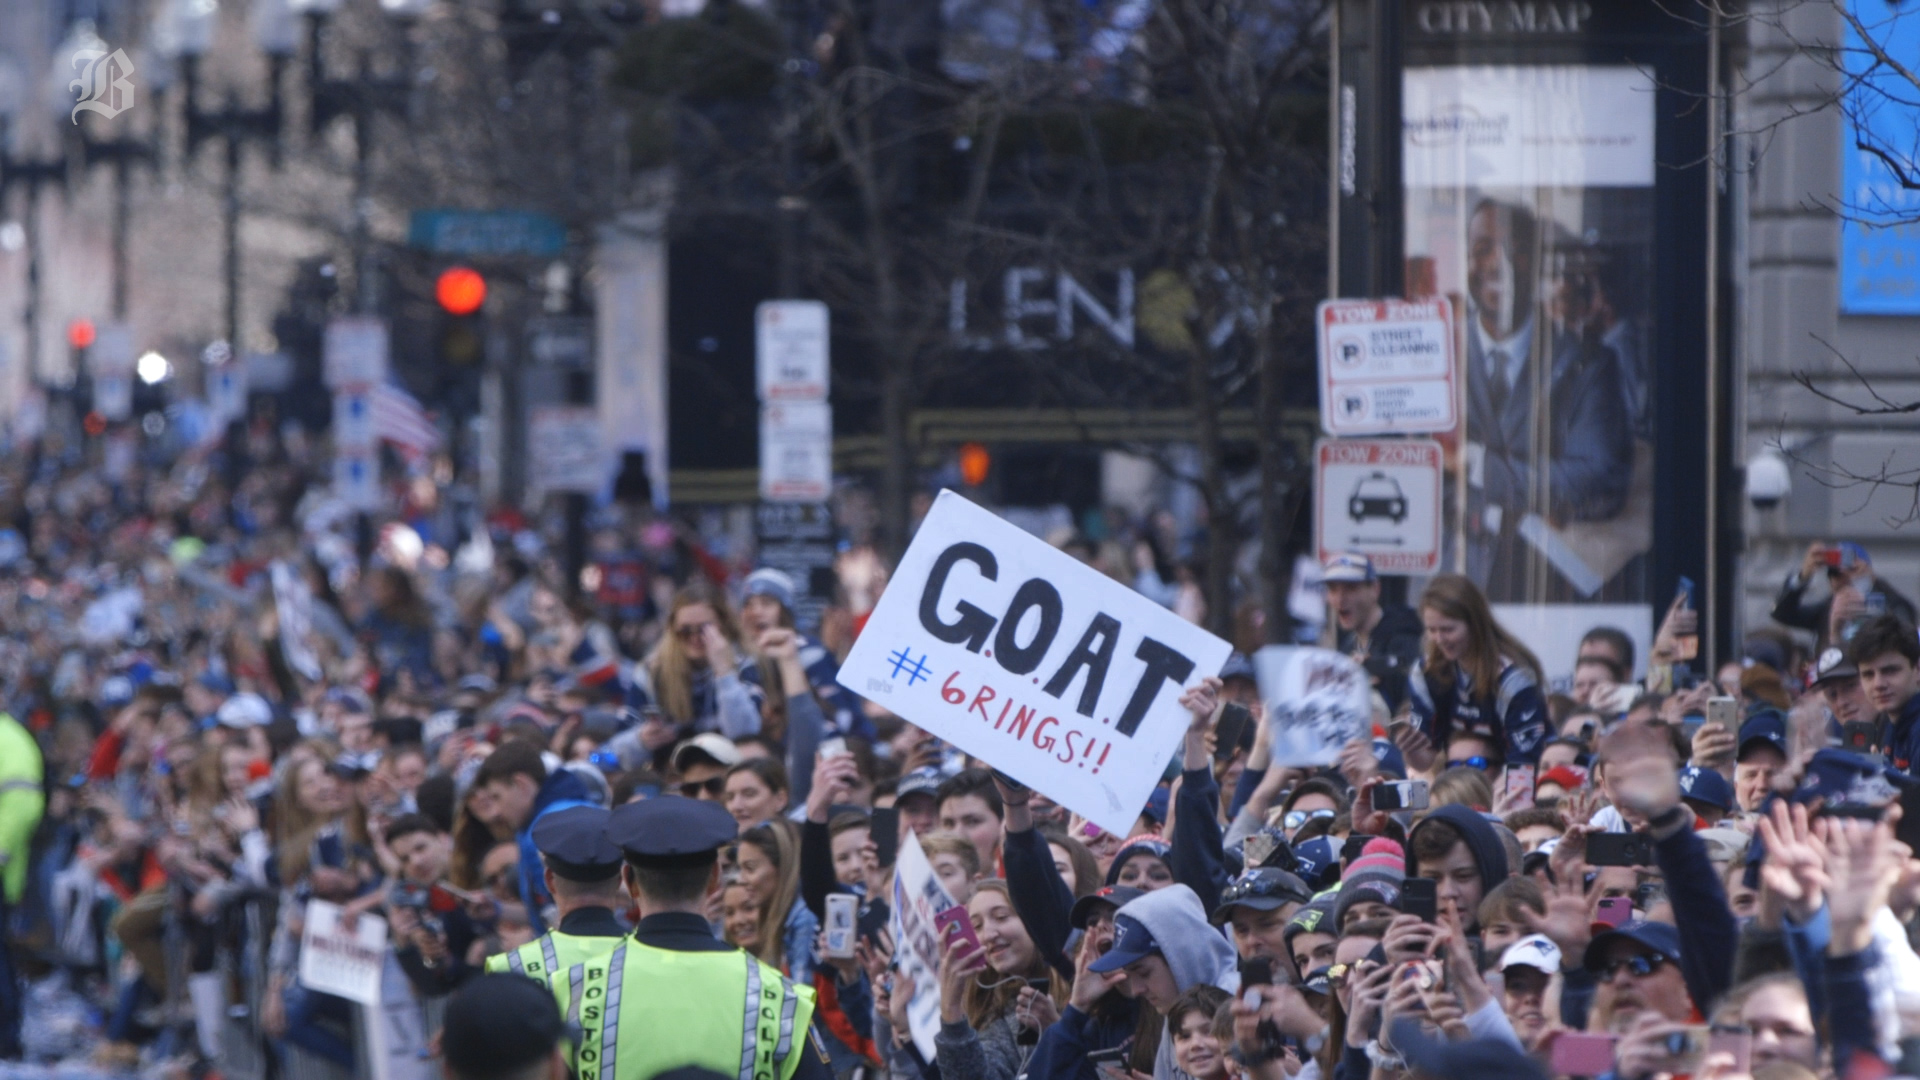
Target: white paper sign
[(343, 964), (563, 448), (1317, 700), (396, 1031), (796, 451), (918, 898), (353, 419), (1025, 657), (293, 606)]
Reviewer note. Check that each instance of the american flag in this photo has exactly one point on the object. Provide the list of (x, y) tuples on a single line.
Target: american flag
[(399, 419)]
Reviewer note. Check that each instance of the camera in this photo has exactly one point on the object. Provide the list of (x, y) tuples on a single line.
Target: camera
[(1769, 480)]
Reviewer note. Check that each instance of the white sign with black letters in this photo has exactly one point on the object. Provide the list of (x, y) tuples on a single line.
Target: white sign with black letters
[(1317, 701), (918, 898), (1027, 658), (344, 963)]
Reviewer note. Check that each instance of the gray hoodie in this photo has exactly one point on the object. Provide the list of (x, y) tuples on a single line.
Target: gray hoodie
[(1194, 950)]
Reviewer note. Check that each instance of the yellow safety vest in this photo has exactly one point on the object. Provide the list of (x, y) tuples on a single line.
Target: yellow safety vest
[(550, 953), (647, 1010)]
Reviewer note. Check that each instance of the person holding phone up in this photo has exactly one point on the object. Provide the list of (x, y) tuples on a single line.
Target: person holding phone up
[(994, 987)]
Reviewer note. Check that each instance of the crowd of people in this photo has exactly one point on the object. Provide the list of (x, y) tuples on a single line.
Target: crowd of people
[(232, 701)]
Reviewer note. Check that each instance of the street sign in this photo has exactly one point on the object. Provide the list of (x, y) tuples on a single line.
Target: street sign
[(563, 448), (790, 350), (560, 341), (113, 396), (486, 232), (1380, 498), (1386, 367), (796, 451), (356, 478), (797, 540), (353, 420), (112, 351), (227, 387), (355, 352)]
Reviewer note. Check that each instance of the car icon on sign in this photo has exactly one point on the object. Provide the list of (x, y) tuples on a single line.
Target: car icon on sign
[(1377, 496)]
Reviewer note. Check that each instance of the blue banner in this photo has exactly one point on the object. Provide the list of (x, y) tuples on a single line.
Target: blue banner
[(1880, 227)]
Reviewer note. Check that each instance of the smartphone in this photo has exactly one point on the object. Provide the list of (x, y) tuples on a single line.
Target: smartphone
[(1689, 596), (1907, 829), (1257, 850), (1519, 786), (1725, 712), (1400, 795), (832, 748), (956, 925), (1115, 1057), (1008, 780), (1861, 737), (1614, 911), (1579, 1053), (1232, 728), (843, 912), (1619, 849), (1417, 898), (884, 827), (1687, 1048)]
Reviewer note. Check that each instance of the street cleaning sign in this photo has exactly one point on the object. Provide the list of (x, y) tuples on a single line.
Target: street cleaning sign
[(1029, 659), (1386, 367)]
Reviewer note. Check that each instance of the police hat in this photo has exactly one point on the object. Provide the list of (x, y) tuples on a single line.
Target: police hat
[(671, 831), (497, 1024), (575, 845)]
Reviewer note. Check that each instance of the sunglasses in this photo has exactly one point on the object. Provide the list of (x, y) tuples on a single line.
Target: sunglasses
[(714, 787), (691, 630), (1261, 886), (1297, 818), (1639, 966), (1474, 762)]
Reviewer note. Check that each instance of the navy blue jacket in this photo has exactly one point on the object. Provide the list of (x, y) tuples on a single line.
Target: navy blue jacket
[(1709, 934), (1903, 738), (1063, 1049), (1514, 710), (1199, 862), (1040, 896)]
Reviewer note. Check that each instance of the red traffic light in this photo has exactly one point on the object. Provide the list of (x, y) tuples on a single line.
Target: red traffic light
[(461, 290), (80, 333), (974, 463)]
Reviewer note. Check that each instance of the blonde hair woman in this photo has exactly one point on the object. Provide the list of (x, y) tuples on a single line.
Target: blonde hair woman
[(694, 673)]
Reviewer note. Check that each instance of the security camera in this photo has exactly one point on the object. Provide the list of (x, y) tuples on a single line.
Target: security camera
[(1768, 479)]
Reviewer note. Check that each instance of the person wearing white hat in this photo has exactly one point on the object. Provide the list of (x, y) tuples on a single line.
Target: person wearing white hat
[(1529, 986)]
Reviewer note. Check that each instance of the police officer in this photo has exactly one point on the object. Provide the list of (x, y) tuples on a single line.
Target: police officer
[(583, 876), (672, 995), (502, 1027)]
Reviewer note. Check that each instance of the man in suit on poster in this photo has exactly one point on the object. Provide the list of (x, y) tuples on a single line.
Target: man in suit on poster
[(1563, 450)]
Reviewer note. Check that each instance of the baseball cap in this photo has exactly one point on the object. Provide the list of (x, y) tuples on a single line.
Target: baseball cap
[(712, 744), (1658, 936), (1347, 566), (1764, 726), (1131, 941), (1706, 786), (1482, 1059), (1536, 951), (1845, 780), (1117, 896), (244, 711), (918, 782), (1560, 774), (1832, 666), (1238, 666), (1261, 889)]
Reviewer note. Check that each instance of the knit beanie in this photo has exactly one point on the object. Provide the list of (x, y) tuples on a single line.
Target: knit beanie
[(1139, 845), (1376, 875), (1314, 918)]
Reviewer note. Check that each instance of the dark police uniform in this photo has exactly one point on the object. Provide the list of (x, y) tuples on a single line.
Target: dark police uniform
[(672, 995), (573, 843)]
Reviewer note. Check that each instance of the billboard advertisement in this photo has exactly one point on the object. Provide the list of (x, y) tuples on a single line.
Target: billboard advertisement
[(1529, 207), (1880, 226)]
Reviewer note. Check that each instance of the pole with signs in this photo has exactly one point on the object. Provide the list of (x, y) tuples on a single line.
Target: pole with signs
[(796, 423)]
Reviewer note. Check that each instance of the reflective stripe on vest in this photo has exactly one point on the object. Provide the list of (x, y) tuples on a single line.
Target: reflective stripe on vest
[(680, 1015), (610, 1033), (515, 964), (546, 950)]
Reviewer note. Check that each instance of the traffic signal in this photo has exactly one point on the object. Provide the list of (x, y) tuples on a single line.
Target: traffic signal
[(461, 290), (974, 463)]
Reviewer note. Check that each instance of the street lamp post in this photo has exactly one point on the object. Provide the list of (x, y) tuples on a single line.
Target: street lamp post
[(361, 98), (32, 174)]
